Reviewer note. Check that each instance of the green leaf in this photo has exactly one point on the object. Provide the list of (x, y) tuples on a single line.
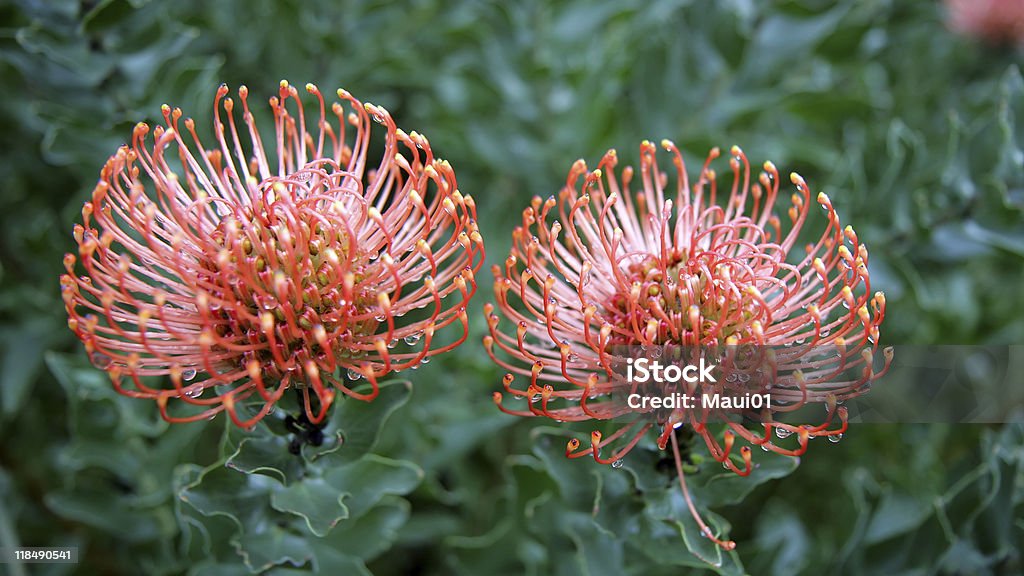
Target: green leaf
[(357, 425), (23, 348), (317, 502), (363, 483), (713, 486)]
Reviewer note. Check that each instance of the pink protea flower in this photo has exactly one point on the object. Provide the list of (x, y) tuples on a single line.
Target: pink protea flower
[(999, 21), (241, 274), (603, 268)]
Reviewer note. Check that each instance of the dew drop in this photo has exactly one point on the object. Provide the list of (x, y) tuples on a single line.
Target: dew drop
[(379, 318), (835, 438), (617, 463), (195, 392), (188, 374), (101, 361), (535, 398), (426, 360), (412, 338), (783, 433), (353, 375)]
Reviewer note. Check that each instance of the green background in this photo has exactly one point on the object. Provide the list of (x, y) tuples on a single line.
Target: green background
[(914, 133)]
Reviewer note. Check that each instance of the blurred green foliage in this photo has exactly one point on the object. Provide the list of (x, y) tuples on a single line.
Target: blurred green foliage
[(915, 134)]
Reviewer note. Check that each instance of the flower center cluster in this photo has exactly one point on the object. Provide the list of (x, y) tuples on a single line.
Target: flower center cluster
[(282, 284), (685, 300)]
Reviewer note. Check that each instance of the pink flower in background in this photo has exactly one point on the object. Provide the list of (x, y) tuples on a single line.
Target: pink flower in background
[(606, 267), (1000, 21), (241, 274)]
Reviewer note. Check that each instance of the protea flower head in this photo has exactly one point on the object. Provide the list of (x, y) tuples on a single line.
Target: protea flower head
[(252, 267), (612, 264), (997, 21)]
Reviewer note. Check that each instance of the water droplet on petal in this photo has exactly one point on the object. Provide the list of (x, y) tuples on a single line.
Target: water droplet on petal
[(194, 392), (835, 438), (617, 463), (188, 374), (101, 361), (353, 374), (782, 433), (412, 338)]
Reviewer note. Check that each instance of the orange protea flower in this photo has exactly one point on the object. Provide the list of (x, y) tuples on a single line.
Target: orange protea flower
[(1000, 21), (241, 274), (603, 268)]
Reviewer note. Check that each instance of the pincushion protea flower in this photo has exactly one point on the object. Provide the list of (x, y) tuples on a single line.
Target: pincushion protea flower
[(1000, 21), (604, 268), (240, 274)]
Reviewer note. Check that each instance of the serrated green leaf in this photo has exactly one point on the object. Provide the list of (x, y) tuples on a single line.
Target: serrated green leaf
[(265, 452), (713, 486), (363, 483), (364, 538), (315, 500), (358, 424)]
